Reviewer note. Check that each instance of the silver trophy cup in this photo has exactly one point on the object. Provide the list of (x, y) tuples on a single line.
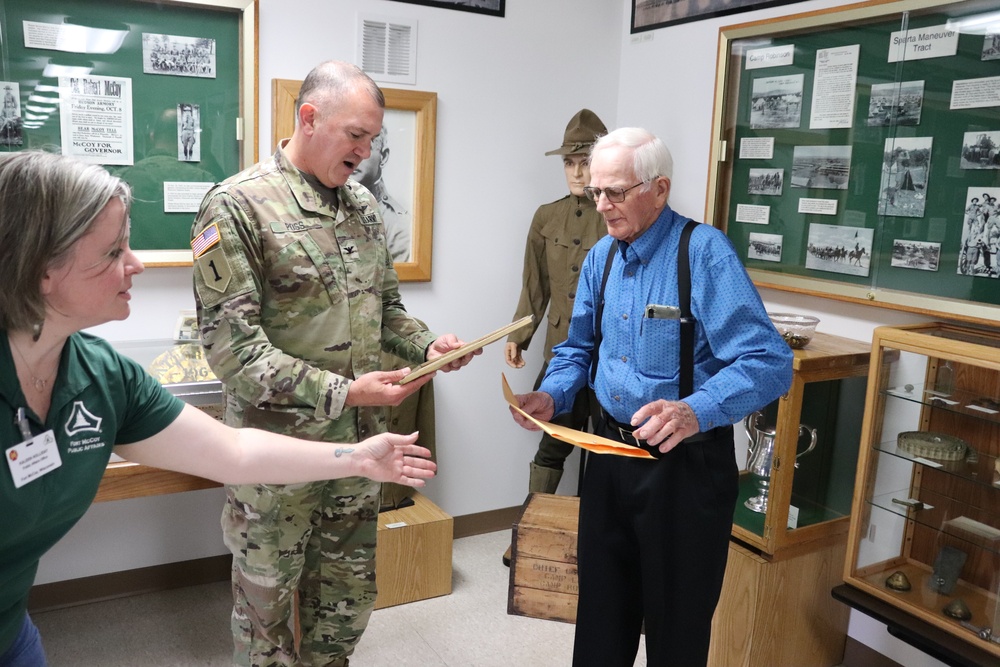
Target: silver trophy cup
[(761, 454)]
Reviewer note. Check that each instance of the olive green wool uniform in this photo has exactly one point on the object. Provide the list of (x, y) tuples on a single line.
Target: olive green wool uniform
[(296, 299), (561, 235)]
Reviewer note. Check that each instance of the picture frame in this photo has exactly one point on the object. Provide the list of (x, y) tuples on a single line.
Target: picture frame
[(898, 193), (219, 79), (654, 14), (412, 117), (488, 7)]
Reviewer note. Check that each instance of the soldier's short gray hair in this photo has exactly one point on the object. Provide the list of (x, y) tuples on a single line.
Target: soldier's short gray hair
[(329, 81), (47, 202)]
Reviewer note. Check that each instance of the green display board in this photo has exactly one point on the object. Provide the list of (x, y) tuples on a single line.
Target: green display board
[(180, 60), (862, 182)]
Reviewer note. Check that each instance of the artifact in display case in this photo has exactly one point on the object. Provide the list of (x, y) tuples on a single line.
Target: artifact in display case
[(803, 447), (856, 154), (925, 525)]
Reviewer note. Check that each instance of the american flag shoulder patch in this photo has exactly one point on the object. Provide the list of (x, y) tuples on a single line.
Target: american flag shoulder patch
[(208, 238)]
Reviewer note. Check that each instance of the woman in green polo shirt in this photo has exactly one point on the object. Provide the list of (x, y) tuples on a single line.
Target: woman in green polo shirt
[(67, 398)]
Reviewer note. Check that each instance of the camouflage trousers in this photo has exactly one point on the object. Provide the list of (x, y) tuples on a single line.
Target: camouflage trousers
[(302, 552)]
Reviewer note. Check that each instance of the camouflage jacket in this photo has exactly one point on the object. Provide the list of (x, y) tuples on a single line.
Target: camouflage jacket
[(561, 235), (296, 298)]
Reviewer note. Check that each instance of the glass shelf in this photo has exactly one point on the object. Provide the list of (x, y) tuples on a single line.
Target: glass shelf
[(963, 523), (975, 467), (959, 402)]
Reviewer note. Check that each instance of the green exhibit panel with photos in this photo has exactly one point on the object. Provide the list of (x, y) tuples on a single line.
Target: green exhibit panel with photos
[(154, 92), (857, 154)]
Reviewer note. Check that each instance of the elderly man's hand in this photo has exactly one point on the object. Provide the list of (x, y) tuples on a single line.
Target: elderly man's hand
[(538, 404), (665, 423)]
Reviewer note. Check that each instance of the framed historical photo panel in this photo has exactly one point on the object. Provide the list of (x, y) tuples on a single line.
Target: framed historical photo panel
[(653, 14), (161, 94), (878, 124)]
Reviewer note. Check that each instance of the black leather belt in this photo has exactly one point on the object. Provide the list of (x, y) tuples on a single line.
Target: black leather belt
[(616, 430)]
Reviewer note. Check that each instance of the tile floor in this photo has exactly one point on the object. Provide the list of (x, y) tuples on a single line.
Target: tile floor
[(190, 627)]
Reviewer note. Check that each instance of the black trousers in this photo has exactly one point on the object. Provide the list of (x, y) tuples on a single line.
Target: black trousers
[(652, 546)]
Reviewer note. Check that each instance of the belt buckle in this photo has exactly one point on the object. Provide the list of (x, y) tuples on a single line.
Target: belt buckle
[(626, 435)]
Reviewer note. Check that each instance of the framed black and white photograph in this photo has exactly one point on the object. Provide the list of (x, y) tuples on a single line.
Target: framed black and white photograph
[(766, 247), (980, 234), (399, 172), (906, 165), (189, 132), (823, 167), (991, 46), (176, 55), (765, 181), (489, 7), (892, 104), (653, 14), (921, 255), (839, 249), (776, 102), (11, 123), (981, 150)]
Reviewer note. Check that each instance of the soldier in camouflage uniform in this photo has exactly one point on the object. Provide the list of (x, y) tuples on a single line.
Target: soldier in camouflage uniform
[(560, 236), (297, 301)]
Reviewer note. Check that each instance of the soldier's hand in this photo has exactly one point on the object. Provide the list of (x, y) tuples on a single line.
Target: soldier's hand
[(538, 404), (383, 388), (390, 457), (447, 343), (666, 423), (512, 353)]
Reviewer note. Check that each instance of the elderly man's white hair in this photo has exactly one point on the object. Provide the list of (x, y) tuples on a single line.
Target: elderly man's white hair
[(650, 156)]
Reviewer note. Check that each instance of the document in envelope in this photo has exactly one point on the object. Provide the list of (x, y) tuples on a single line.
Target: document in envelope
[(588, 441), (479, 343)]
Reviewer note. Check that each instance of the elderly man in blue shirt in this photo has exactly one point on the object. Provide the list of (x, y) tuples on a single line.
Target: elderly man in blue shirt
[(654, 534)]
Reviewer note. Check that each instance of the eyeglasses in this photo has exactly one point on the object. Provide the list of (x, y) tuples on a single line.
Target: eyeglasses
[(614, 195)]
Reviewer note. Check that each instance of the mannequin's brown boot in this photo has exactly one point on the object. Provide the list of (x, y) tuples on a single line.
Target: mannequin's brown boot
[(540, 480)]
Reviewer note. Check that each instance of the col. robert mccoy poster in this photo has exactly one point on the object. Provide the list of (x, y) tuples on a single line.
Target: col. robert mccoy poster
[(96, 118)]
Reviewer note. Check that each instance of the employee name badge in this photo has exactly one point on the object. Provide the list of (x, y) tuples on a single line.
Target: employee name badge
[(33, 458)]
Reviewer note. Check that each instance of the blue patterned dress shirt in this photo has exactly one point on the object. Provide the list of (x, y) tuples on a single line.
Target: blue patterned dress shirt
[(741, 363)]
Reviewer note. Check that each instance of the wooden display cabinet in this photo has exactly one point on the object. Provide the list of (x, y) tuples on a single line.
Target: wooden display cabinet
[(927, 494), (776, 607), (809, 498)]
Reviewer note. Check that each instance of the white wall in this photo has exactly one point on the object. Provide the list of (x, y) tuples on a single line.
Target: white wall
[(506, 88)]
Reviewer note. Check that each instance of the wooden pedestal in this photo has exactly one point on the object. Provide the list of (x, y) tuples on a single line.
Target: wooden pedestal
[(779, 613), (413, 556)]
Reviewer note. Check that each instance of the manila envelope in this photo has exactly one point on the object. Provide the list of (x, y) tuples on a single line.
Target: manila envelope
[(588, 441)]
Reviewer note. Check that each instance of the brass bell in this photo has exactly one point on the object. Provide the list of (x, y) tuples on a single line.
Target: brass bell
[(898, 581), (958, 609)]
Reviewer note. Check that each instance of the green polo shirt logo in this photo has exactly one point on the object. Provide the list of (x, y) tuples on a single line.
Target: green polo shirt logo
[(82, 420)]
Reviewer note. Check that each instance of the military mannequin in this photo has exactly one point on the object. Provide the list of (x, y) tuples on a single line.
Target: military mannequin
[(560, 236), (415, 413)]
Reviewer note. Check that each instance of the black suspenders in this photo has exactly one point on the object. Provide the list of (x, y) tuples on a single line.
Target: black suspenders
[(687, 321)]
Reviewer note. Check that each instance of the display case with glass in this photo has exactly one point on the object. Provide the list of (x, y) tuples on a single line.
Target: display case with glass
[(925, 527), (179, 364), (803, 448)]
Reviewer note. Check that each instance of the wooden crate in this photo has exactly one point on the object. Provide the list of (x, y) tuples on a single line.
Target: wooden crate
[(413, 556), (543, 578)]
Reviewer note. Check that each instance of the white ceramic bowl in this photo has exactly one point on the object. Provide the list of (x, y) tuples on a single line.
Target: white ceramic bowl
[(797, 330)]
